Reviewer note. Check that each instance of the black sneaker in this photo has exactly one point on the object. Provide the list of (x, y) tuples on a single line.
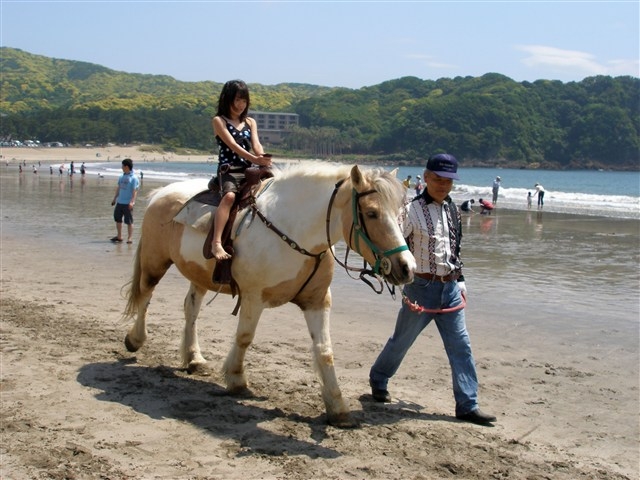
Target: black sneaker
[(476, 416)]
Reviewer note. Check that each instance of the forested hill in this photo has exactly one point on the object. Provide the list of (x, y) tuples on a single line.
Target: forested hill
[(489, 120)]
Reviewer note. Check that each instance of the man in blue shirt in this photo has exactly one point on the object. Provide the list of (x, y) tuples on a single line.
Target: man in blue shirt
[(124, 200)]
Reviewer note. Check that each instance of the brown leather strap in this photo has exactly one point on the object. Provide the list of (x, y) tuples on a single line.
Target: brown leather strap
[(444, 279)]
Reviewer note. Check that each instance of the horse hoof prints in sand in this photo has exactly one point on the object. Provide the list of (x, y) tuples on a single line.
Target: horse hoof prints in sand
[(311, 207)]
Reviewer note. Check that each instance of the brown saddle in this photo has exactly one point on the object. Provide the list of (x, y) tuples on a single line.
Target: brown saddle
[(253, 177)]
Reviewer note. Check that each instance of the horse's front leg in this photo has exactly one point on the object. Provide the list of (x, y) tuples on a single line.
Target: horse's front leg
[(190, 354), (337, 410), (233, 368)]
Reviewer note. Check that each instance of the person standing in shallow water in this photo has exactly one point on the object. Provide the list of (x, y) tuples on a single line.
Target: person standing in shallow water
[(236, 135), (419, 186), (495, 189), (124, 201), (540, 194), (432, 225)]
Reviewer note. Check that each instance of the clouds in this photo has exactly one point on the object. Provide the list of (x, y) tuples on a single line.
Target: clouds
[(430, 61), (574, 61)]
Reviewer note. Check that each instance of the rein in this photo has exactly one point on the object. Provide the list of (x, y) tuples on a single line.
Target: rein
[(317, 256)]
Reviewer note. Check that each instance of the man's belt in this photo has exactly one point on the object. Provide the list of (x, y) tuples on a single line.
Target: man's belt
[(444, 279)]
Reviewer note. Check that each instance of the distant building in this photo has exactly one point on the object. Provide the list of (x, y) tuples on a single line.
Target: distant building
[(274, 126)]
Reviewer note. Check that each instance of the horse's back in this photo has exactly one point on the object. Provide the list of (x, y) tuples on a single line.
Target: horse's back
[(161, 235)]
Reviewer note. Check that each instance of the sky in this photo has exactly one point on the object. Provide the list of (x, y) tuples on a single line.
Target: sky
[(350, 44)]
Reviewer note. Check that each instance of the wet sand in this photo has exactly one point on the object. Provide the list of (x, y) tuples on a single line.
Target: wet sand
[(553, 317)]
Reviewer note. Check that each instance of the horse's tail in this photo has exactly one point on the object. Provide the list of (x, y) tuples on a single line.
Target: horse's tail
[(133, 291)]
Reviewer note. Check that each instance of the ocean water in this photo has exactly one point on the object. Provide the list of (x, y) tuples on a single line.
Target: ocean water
[(583, 192)]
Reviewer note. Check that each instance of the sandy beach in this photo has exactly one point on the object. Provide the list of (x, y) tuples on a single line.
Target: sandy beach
[(57, 155), (553, 318)]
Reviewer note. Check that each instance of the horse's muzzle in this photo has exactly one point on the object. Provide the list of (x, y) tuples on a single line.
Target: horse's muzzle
[(402, 269)]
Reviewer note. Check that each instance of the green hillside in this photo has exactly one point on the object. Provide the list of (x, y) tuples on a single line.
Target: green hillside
[(489, 120)]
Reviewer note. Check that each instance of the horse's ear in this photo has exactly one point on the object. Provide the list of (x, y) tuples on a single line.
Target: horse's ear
[(394, 172), (356, 176)]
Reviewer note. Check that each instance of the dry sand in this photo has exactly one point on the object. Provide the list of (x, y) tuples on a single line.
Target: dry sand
[(75, 404), (56, 155)]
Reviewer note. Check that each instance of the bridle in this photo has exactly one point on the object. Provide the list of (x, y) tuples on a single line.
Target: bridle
[(359, 231)]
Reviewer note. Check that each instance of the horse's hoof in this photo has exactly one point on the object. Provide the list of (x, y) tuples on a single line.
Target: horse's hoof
[(342, 420), (199, 368), (130, 346), (241, 392)]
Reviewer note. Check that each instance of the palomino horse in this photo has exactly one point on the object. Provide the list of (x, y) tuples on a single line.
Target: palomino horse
[(282, 254)]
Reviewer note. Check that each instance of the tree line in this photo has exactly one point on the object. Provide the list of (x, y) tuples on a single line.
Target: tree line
[(486, 121)]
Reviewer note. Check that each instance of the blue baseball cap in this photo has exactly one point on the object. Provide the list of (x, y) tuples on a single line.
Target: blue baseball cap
[(443, 165)]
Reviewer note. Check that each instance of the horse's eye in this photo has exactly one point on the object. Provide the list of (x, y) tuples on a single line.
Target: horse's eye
[(372, 214)]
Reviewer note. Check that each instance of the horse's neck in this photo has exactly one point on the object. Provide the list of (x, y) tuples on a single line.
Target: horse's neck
[(299, 206)]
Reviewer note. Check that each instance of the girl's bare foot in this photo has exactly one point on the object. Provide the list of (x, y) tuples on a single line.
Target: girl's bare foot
[(219, 253)]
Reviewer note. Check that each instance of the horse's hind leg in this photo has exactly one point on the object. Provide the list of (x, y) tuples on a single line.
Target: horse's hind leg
[(192, 359), (337, 411), (137, 335), (233, 368)]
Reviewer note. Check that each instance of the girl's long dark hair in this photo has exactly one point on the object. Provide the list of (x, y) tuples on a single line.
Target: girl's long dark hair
[(231, 90)]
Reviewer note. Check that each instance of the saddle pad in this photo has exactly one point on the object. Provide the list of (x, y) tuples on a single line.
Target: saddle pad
[(197, 214)]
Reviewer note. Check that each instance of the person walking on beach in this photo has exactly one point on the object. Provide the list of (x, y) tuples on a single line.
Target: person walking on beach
[(495, 189), (407, 182), (529, 199), (83, 169), (124, 200), (540, 194), (236, 135), (431, 223)]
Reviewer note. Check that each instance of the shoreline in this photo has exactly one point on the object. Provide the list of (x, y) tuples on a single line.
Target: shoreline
[(140, 154), (54, 155), (151, 154)]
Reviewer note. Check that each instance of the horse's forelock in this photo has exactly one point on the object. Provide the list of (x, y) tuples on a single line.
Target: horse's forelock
[(388, 186)]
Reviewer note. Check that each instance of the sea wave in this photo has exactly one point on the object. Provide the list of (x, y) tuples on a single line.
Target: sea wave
[(619, 206)]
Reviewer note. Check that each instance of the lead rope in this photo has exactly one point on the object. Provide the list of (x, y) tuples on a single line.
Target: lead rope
[(414, 307)]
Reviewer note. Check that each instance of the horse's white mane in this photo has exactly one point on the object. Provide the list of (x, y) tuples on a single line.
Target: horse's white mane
[(391, 190), (312, 168)]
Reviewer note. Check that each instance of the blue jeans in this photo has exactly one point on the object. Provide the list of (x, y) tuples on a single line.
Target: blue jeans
[(453, 331)]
